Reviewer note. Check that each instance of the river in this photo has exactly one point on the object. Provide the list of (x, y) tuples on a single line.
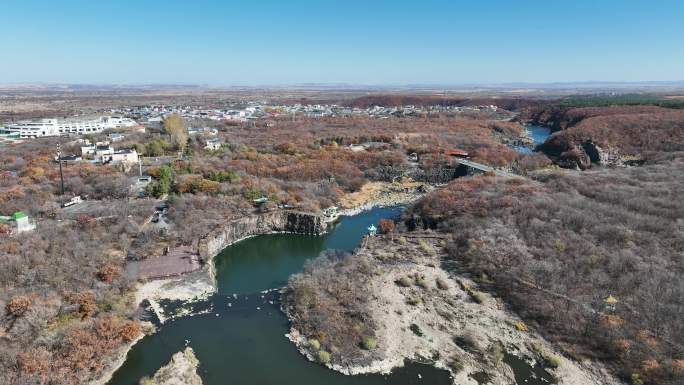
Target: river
[(239, 335), (244, 343), (538, 134)]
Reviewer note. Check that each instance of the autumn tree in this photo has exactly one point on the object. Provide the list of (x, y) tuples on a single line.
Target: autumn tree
[(386, 226), (174, 125), (86, 303), (108, 272)]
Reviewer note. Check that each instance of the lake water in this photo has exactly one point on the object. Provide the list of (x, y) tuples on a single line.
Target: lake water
[(538, 134), (239, 339)]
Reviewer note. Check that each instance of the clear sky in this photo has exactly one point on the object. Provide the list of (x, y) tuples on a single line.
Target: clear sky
[(370, 42)]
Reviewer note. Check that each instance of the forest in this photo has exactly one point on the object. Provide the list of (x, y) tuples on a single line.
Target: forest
[(556, 247)]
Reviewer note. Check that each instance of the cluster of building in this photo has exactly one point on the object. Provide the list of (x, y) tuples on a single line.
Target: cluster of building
[(332, 110), (56, 127), (102, 152), (155, 114), (254, 110)]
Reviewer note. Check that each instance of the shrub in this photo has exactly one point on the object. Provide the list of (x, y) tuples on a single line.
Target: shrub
[(18, 305), (420, 281), (130, 330), (108, 273), (404, 281), (456, 364), (442, 284), (86, 303), (416, 330), (559, 245), (386, 226), (468, 341), (636, 379), (314, 344), (520, 326), (478, 296), (413, 301), (551, 360), (496, 352), (678, 367), (425, 247), (369, 343), (323, 357)]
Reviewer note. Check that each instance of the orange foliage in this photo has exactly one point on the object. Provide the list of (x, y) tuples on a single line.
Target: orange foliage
[(18, 305), (623, 345), (35, 362), (650, 365), (612, 321), (35, 172), (108, 273), (647, 337), (678, 367), (86, 303), (386, 226)]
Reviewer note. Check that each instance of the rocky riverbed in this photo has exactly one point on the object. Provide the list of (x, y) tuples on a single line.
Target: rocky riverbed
[(391, 300)]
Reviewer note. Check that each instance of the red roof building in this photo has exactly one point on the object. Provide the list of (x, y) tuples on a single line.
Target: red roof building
[(457, 153)]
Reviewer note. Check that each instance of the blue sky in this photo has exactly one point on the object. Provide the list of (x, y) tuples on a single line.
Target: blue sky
[(372, 42)]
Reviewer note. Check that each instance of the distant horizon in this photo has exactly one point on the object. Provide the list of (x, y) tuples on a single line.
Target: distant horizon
[(551, 84), (385, 43)]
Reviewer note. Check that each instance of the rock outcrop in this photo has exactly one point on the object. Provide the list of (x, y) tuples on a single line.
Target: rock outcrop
[(392, 300), (581, 155), (181, 370), (274, 221)]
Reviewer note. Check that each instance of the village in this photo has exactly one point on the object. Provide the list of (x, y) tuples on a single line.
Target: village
[(248, 111)]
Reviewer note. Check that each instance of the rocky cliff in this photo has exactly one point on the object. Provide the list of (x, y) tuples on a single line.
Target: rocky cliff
[(274, 221)]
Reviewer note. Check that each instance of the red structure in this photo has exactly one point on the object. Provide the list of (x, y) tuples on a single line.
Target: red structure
[(457, 153)]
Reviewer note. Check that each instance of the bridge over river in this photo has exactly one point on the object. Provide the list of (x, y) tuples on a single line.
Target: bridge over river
[(475, 167)]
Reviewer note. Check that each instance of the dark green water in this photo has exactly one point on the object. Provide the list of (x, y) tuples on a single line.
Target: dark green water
[(244, 343)]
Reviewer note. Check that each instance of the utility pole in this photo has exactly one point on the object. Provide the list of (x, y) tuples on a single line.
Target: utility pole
[(61, 175)]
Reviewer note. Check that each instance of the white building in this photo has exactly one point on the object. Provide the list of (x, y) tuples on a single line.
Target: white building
[(103, 152), (213, 144), (19, 222), (55, 127), (123, 156)]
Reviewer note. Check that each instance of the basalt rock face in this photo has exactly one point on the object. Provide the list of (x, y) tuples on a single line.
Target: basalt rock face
[(581, 155), (274, 221), (302, 223)]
